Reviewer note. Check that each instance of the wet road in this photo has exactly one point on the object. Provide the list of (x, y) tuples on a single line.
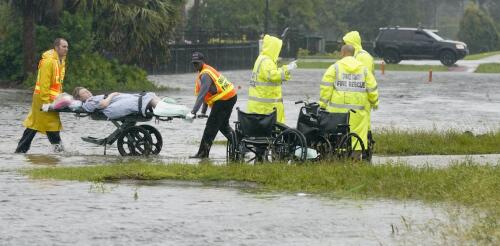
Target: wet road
[(48, 212)]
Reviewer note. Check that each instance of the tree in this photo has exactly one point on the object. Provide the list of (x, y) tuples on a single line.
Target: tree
[(136, 32), (28, 8), (478, 30)]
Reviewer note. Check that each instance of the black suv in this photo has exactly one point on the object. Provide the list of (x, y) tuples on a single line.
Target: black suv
[(394, 44)]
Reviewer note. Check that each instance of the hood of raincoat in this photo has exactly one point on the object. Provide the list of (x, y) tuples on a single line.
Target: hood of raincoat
[(271, 47), (350, 64), (353, 38)]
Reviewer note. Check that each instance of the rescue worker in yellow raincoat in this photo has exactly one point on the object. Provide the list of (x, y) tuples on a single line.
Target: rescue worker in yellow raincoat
[(347, 85), (214, 90), (49, 84), (264, 93), (353, 39)]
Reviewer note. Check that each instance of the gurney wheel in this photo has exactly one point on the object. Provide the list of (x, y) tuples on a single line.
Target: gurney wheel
[(134, 141), (157, 140)]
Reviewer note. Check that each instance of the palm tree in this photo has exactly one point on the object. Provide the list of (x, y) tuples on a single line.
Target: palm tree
[(136, 32), (31, 10)]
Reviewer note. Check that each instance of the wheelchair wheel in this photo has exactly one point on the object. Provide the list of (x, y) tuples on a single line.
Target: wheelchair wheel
[(232, 153), (348, 145), (157, 140), (134, 141), (279, 128), (322, 146), (287, 144)]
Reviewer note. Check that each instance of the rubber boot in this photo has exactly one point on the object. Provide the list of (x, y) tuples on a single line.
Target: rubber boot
[(203, 151)]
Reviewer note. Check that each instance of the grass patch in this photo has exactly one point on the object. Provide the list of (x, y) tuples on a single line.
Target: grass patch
[(388, 67), (488, 68), (481, 55), (220, 142), (403, 143), (466, 184)]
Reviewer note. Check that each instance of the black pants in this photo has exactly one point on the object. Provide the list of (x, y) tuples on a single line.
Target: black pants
[(218, 120), (25, 143)]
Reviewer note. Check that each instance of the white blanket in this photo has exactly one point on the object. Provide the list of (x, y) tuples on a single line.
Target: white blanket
[(168, 107)]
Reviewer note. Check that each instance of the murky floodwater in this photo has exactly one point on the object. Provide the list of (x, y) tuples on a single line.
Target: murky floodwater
[(59, 212)]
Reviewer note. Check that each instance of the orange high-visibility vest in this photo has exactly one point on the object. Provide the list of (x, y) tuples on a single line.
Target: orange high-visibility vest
[(225, 89), (57, 77)]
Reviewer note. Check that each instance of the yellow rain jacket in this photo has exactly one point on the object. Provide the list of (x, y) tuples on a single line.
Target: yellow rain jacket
[(48, 85), (346, 85), (353, 38), (264, 93)]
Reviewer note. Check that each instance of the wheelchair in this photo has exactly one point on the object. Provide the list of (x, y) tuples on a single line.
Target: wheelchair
[(259, 138), (329, 133)]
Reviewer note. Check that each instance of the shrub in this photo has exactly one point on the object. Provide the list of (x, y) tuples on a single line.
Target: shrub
[(478, 30), (84, 66), (11, 59)]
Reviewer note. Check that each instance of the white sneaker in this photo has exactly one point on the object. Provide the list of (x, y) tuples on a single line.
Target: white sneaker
[(57, 148)]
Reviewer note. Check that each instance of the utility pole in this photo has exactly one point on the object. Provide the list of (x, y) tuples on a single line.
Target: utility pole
[(266, 18)]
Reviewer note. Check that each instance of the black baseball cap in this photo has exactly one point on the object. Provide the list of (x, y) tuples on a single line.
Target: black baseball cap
[(197, 57)]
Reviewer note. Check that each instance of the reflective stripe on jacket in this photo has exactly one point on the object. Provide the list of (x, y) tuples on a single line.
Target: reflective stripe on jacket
[(265, 87), (49, 83), (50, 77), (348, 85), (225, 89)]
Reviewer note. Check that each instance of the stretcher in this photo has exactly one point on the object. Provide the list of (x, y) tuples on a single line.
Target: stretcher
[(131, 138)]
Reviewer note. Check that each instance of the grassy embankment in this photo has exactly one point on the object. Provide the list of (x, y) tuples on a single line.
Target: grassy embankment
[(388, 67), (473, 186), (404, 143), (488, 68), (481, 55)]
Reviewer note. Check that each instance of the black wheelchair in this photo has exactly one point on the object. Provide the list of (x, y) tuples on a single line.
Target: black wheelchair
[(330, 135), (259, 138)]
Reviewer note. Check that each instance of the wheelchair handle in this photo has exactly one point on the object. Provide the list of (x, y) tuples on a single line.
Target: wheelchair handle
[(299, 102)]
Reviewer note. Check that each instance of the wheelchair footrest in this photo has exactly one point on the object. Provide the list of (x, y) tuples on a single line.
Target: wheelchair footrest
[(98, 141)]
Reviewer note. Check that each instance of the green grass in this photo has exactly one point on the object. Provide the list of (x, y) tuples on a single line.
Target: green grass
[(481, 55), (488, 68), (464, 183), (388, 67), (474, 186), (424, 142)]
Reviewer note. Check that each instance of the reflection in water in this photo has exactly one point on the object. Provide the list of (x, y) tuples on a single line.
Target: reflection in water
[(38, 159)]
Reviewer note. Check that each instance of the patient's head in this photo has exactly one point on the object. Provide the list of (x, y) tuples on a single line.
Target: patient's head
[(81, 93)]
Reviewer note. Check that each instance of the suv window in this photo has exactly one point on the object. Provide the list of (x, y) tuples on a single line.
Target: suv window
[(395, 34), (404, 35), (420, 36)]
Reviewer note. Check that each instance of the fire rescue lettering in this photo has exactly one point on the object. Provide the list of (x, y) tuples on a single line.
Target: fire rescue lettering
[(351, 81)]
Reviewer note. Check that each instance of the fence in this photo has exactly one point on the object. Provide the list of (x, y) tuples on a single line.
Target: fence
[(221, 56)]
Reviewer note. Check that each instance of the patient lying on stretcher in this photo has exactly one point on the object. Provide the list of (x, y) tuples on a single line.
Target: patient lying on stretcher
[(117, 105)]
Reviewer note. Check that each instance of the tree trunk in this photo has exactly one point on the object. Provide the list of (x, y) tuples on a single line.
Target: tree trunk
[(196, 20), (29, 48)]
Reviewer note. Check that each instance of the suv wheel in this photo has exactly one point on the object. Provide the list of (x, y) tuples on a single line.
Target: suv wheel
[(391, 57), (447, 58)]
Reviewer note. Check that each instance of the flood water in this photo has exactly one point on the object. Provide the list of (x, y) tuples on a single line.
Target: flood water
[(46, 212)]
